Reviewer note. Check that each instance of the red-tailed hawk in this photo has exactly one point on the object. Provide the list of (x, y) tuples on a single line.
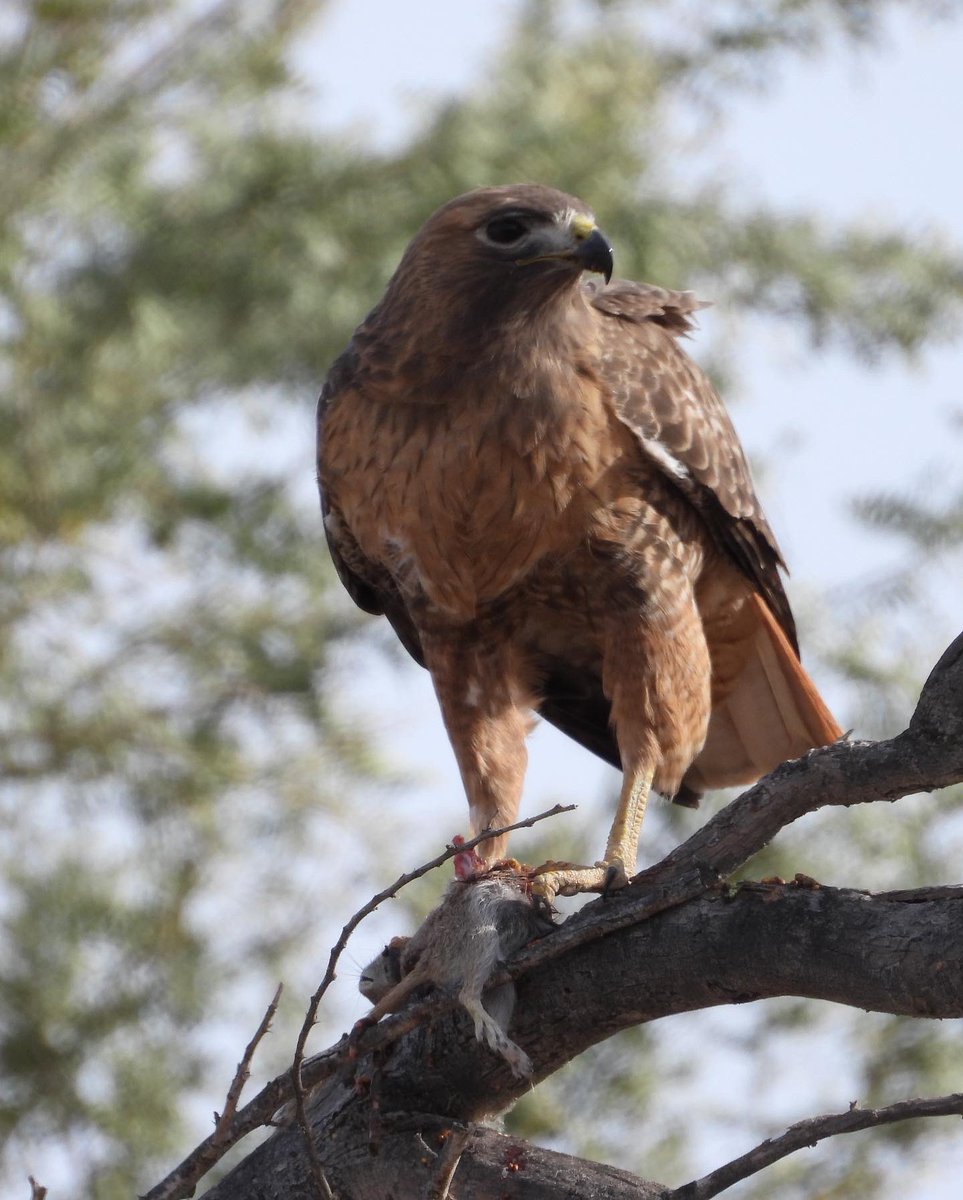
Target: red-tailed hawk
[(525, 473)]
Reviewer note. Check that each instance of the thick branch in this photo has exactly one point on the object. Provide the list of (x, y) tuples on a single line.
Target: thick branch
[(492, 1165), (764, 940), (892, 954)]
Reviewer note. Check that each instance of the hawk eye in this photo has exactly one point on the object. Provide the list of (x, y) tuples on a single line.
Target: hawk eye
[(505, 230)]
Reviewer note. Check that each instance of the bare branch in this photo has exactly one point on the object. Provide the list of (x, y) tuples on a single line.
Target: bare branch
[(762, 940), (494, 1166), (37, 1190), (808, 1133), (447, 1164), (243, 1073), (366, 910), (315, 1166), (925, 757), (609, 914), (182, 1181)]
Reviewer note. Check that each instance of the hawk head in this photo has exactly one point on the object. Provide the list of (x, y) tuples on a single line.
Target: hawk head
[(501, 246), (488, 274), (523, 226)]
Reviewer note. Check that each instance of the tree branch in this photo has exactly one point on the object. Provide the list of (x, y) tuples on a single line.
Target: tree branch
[(329, 975), (706, 946), (925, 757), (493, 1166), (763, 940), (808, 1133), (386, 894), (232, 1126), (243, 1073), (183, 1179)]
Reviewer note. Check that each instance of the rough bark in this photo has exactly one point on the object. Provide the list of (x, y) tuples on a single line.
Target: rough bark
[(676, 941)]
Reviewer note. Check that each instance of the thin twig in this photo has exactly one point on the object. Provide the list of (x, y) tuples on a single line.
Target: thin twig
[(259, 1111), (243, 1072), (311, 1016), (37, 1190), (315, 1165), (446, 1164), (183, 1179), (808, 1133)]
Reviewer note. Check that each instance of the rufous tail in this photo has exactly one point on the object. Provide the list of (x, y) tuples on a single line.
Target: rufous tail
[(773, 712)]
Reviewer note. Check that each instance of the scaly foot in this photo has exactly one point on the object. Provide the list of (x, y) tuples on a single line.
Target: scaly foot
[(569, 879)]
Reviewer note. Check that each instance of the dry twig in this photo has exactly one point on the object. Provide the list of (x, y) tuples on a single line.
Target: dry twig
[(330, 973), (243, 1073), (183, 1179), (295, 1082), (808, 1133), (446, 1164)]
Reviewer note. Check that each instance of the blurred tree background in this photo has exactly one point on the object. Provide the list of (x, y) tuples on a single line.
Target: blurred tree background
[(182, 253)]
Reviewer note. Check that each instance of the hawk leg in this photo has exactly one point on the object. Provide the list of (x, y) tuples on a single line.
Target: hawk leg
[(656, 674), (485, 706), (620, 851)]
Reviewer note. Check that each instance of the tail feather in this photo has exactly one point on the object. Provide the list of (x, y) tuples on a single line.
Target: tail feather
[(773, 712)]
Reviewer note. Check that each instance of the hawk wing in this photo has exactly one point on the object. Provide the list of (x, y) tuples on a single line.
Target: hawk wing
[(683, 427), (370, 585)]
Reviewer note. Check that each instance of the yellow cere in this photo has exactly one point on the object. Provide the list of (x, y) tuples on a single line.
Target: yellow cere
[(582, 226)]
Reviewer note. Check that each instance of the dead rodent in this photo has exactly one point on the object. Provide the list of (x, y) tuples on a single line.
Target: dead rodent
[(482, 921)]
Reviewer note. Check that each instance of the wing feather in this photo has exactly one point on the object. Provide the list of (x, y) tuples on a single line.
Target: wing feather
[(682, 425), (370, 585)]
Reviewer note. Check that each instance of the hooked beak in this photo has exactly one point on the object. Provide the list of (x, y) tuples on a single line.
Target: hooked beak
[(595, 254), (581, 243)]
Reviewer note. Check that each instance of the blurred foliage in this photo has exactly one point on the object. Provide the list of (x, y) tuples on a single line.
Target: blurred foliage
[(183, 253), (169, 744)]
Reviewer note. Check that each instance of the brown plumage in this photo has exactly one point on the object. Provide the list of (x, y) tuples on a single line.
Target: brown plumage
[(525, 473)]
